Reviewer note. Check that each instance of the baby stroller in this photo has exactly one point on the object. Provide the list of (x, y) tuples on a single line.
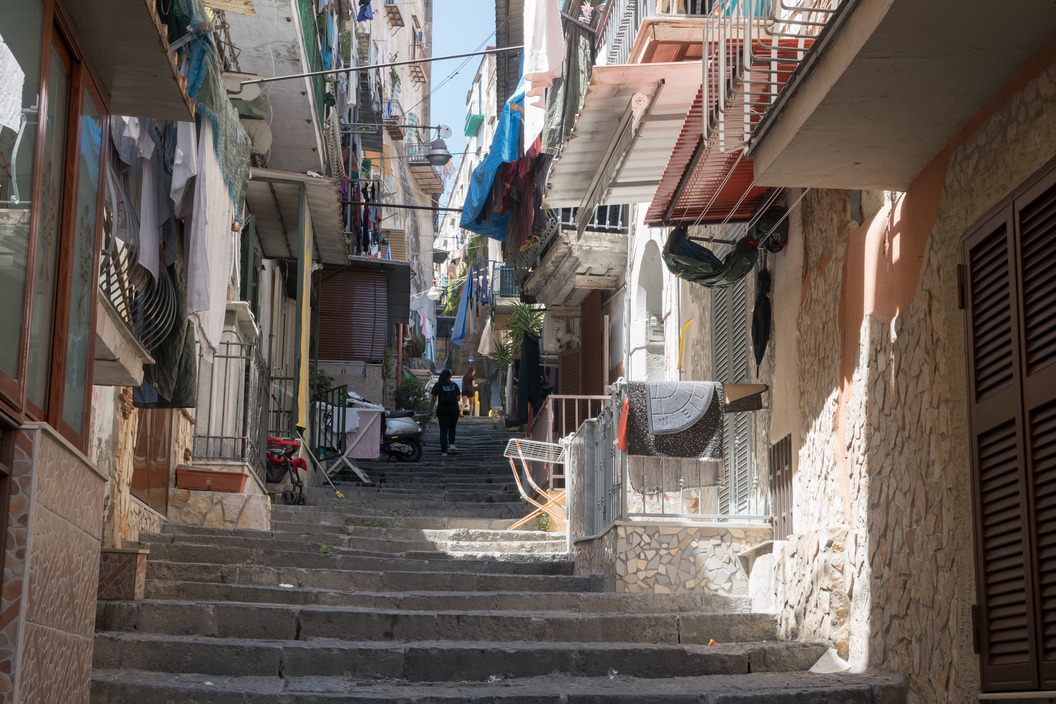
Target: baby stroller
[(280, 460)]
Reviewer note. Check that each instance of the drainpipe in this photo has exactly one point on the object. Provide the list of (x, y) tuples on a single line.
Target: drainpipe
[(633, 216), (399, 354)]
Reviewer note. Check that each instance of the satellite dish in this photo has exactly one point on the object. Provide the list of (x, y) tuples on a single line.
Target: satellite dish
[(444, 131)]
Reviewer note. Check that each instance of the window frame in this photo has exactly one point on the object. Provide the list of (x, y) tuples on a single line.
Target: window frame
[(15, 406)]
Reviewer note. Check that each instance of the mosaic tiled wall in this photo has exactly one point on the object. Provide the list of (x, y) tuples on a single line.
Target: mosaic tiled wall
[(49, 596), (637, 558), (122, 574)]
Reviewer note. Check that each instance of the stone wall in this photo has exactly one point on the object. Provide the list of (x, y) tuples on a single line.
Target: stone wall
[(668, 558), (220, 509), (51, 571), (882, 562)]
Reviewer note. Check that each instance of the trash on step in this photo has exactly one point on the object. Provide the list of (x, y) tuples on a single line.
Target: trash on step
[(286, 586), (209, 684), (495, 678), (712, 641), (830, 662), (612, 673)]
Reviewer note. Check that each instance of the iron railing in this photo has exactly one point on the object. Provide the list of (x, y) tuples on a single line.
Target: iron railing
[(327, 424), (607, 218), (621, 19), (280, 407), (505, 282), (603, 490), (232, 402)]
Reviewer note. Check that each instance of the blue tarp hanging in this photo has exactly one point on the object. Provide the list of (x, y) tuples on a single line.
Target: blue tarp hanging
[(505, 149)]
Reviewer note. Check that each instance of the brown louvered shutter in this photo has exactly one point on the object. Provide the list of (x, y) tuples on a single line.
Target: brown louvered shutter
[(353, 315), (1036, 221), (1006, 624), (569, 372), (781, 486)]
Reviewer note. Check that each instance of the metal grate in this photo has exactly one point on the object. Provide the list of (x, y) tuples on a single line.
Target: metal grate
[(535, 451)]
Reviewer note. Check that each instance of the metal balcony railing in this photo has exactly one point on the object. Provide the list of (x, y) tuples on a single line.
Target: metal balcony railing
[(281, 397), (620, 21), (559, 417), (607, 218), (232, 405), (752, 49), (506, 282), (601, 490)]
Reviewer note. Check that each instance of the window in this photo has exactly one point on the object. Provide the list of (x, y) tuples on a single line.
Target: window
[(51, 161)]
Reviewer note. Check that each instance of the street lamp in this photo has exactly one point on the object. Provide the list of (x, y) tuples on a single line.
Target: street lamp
[(438, 154)]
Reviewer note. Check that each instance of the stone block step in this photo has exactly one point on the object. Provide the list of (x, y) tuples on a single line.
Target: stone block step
[(303, 517), (508, 510), (367, 546), (134, 687), (439, 661), (338, 559), (576, 602), (370, 580), (308, 622), (313, 530)]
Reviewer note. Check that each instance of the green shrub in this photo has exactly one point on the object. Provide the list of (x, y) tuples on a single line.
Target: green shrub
[(411, 395)]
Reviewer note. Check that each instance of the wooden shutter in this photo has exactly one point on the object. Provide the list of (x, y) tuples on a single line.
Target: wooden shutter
[(353, 315), (1006, 629), (1036, 242), (731, 349), (569, 372), (781, 486)]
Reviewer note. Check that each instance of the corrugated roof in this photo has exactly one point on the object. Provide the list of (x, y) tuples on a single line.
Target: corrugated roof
[(274, 197)]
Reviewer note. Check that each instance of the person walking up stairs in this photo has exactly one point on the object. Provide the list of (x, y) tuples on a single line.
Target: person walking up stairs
[(411, 590)]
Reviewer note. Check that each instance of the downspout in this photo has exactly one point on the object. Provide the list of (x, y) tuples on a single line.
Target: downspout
[(627, 295)]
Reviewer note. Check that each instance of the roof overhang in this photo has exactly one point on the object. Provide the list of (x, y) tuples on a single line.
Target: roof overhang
[(887, 86), (128, 46), (274, 197), (626, 129)]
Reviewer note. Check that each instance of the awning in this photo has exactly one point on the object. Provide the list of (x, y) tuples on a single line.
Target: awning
[(624, 134), (702, 184), (274, 197), (128, 46)]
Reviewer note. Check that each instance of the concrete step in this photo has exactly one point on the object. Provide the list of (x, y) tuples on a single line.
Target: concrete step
[(367, 546), (508, 510), (308, 622), (133, 687), (314, 530), (439, 661), (340, 559), (369, 580), (575, 602)]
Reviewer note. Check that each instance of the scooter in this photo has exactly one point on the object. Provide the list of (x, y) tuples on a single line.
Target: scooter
[(401, 432)]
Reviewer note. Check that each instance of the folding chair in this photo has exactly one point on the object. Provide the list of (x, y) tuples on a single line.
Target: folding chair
[(535, 451)]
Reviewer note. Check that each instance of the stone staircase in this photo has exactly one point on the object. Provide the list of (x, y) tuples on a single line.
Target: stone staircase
[(411, 590)]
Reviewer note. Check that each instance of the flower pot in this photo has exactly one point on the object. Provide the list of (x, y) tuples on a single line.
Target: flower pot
[(210, 480)]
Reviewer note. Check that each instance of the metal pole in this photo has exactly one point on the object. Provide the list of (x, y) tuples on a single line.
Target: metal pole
[(348, 69), (433, 208)]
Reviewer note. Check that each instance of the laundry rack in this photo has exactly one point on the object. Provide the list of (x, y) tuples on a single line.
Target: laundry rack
[(525, 451)]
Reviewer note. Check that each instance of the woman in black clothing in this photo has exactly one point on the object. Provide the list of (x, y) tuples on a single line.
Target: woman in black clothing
[(446, 393)]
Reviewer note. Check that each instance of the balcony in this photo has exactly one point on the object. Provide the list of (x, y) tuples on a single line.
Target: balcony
[(128, 44), (885, 91), (426, 176), (565, 268), (506, 283), (418, 74), (393, 13), (620, 24), (233, 398), (393, 118)]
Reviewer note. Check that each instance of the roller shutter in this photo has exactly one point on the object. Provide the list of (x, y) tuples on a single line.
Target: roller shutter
[(353, 315)]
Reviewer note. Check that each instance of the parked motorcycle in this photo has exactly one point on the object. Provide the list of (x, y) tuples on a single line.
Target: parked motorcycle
[(401, 432)]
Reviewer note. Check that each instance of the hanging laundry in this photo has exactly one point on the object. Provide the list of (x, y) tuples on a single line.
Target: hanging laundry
[(544, 48), (365, 13), (208, 246), (586, 13)]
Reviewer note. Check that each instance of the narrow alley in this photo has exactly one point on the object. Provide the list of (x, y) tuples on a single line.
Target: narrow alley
[(411, 590)]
